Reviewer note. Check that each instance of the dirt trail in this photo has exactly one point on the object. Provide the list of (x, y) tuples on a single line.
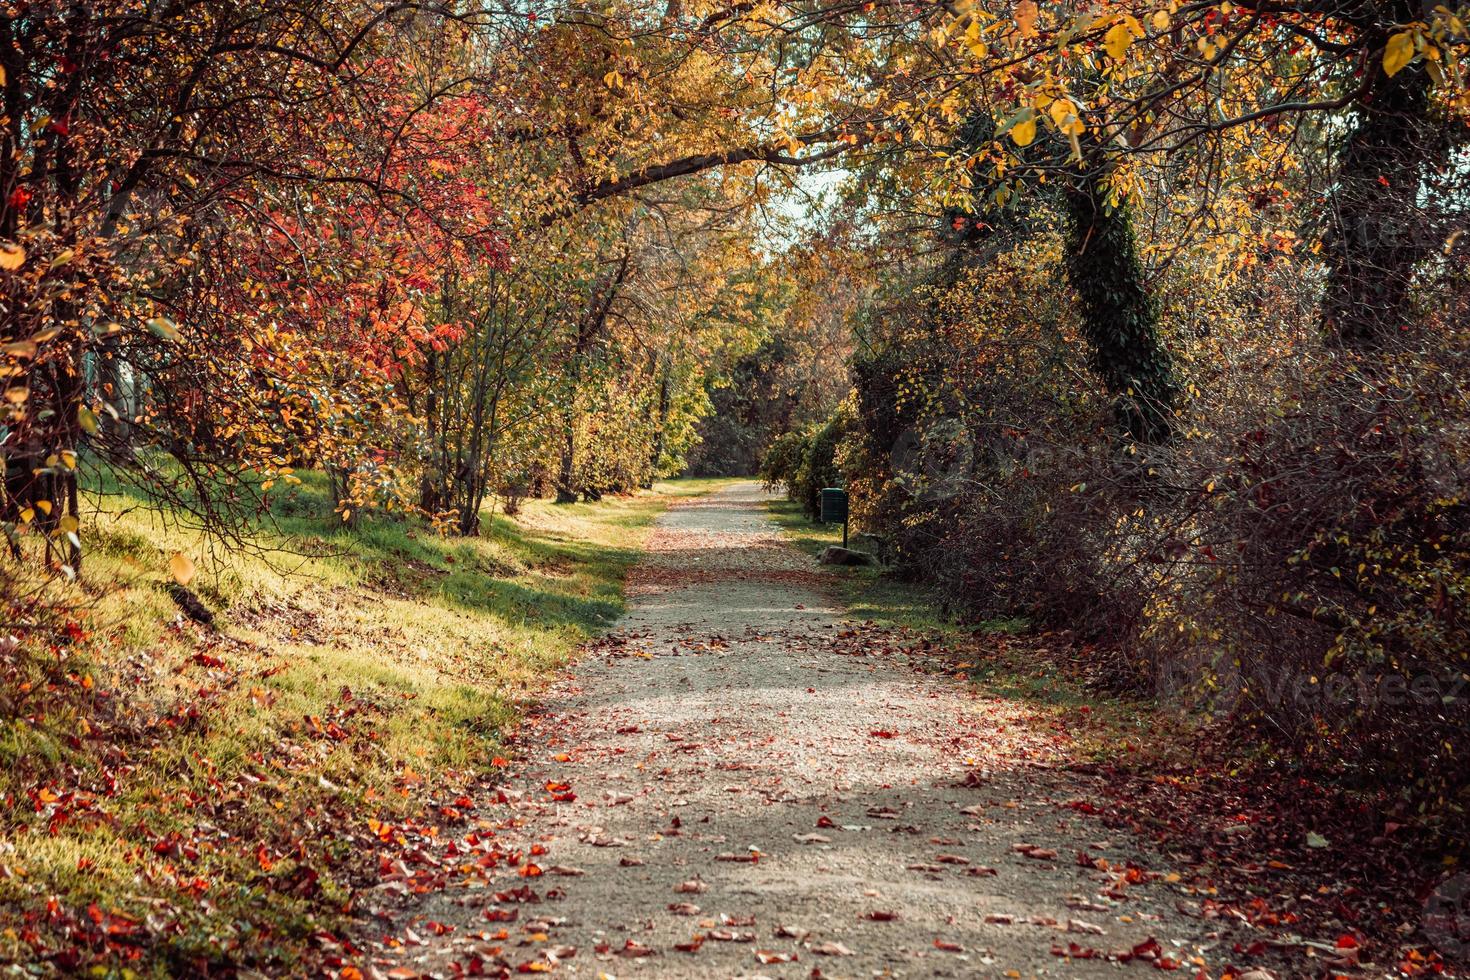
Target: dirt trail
[(743, 774)]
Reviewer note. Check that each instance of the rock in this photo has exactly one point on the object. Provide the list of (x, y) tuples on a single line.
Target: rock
[(873, 544), (845, 556)]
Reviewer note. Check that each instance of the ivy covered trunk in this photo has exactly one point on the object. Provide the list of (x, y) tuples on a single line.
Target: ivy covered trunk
[(1120, 319)]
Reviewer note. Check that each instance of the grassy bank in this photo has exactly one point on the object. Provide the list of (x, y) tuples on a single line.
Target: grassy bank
[(180, 796)]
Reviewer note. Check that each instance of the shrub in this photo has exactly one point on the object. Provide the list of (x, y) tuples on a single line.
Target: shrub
[(819, 464), (782, 462)]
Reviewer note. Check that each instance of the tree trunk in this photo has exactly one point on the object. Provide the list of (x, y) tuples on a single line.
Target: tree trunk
[(1376, 234), (589, 329), (1120, 319)]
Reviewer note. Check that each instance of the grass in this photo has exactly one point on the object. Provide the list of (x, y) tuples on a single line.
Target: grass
[(1002, 658), (204, 788)]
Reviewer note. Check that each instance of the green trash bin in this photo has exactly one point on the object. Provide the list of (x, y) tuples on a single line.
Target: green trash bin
[(834, 509)]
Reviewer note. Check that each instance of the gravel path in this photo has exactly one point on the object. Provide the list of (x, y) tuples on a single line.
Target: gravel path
[(758, 791)]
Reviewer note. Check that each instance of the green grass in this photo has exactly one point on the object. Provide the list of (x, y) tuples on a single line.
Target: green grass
[(358, 672)]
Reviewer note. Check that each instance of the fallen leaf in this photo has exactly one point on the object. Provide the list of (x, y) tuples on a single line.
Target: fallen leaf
[(831, 949)]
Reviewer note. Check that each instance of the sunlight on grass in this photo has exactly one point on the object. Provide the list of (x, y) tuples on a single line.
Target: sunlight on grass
[(356, 671)]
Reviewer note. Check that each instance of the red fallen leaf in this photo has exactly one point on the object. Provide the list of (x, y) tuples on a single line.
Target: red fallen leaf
[(951, 859), (683, 908), (737, 921), (1075, 952), (1149, 949), (629, 730), (981, 872), (752, 857), (534, 966), (521, 894), (769, 956), (947, 946), (502, 915), (530, 871), (437, 928), (999, 919), (881, 915), (692, 946), (728, 936), (825, 822), (635, 950), (555, 787), (1347, 941), (537, 850), (692, 887), (882, 733)]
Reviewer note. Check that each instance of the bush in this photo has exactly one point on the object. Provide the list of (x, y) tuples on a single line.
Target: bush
[(819, 464), (782, 463), (1294, 563)]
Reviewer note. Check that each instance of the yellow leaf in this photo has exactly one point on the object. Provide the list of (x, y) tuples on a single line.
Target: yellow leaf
[(69, 525), (1024, 132), (1026, 14), (44, 505), (181, 568), (27, 515), (163, 327), (1398, 53), (1161, 20), (1117, 41), (12, 256), (87, 419)]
